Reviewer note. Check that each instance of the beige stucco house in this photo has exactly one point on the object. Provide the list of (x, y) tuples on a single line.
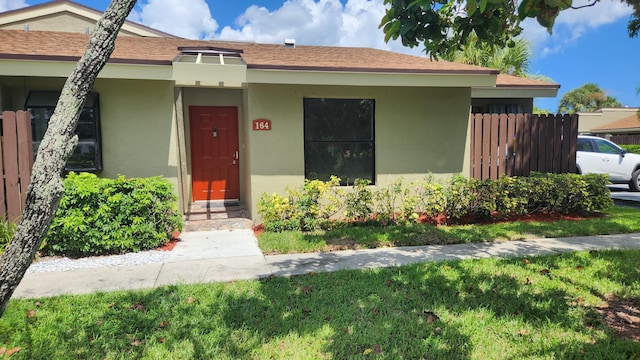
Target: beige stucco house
[(68, 16), (594, 122), (233, 120), (622, 131)]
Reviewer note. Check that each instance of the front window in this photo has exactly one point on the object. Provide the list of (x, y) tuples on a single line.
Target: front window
[(87, 155), (339, 139)]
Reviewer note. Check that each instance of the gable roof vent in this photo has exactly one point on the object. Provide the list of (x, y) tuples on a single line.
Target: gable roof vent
[(290, 43)]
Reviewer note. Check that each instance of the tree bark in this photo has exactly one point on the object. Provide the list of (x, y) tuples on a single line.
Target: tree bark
[(45, 190)]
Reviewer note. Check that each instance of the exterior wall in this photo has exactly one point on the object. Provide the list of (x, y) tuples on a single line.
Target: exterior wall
[(138, 131), (417, 131), (66, 22), (591, 120)]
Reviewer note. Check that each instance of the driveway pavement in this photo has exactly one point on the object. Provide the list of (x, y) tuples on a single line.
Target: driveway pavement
[(622, 195)]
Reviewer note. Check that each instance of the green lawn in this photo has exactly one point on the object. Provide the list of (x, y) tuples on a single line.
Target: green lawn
[(537, 308), (616, 220)]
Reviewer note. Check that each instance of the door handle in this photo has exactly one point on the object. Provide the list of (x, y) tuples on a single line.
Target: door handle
[(236, 155)]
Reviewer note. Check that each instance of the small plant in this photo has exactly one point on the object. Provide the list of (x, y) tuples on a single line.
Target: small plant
[(359, 202), (7, 228)]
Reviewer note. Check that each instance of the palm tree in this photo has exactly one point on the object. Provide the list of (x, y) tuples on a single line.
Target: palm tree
[(589, 97), (638, 93), (513, 60)]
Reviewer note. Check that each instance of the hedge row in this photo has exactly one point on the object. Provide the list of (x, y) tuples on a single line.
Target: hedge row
[(631, 148), (106, 216), (320, 204)]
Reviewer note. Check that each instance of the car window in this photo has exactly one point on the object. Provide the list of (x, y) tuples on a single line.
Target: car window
[(606, 147), (585, 145)]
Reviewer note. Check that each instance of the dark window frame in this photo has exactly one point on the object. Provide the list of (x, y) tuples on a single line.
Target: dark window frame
[(355, 145), (46, 101)]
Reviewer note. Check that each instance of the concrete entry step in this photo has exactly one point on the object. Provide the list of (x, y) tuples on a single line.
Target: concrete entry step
[(217, 215)]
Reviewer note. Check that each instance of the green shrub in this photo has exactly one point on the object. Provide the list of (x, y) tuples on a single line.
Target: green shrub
[(7, 228), (105, 216), (631, 148), (302, 209), (460, 199), (431, 199)]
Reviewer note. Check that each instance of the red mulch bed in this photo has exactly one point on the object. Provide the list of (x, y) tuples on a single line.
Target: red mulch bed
[(175, 237), (442, 219)]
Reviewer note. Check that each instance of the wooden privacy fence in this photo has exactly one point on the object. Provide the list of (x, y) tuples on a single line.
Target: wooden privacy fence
[(517, 144), (16, 159), (626, 139)]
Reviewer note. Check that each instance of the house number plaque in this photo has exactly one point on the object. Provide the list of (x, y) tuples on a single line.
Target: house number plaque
[(261, 124)]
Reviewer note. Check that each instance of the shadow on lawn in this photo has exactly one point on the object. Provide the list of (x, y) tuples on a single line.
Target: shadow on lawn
[(445, 310)]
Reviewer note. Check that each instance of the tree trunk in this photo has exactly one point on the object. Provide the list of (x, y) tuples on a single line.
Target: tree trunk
[(45, 190)]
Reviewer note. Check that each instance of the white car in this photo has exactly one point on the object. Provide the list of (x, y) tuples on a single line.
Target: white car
[(601, 156)]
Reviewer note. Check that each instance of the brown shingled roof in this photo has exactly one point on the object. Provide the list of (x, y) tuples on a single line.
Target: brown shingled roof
[(505, 80), (629, 122), (46, 45)]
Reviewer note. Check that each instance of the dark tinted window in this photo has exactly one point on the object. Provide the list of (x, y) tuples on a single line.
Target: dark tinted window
[(87, 155), (339, 139)]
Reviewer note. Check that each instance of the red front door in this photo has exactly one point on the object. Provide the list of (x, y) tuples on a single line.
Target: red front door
[(214, 153)]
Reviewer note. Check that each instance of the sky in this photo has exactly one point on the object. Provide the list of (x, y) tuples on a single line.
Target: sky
[(587, 45)]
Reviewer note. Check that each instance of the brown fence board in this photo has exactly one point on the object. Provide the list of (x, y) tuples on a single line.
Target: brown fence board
[(486, 146), (550, 143), (10, 153), (16, 160), (494, 153), (511, 137), (25, 153), (535, 144), (516, 145), (543, 143), (573, 147), (503, 146), (3, 204), (476, 149)]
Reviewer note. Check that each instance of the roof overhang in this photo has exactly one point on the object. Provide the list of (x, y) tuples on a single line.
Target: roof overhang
[(364, 78), (611, 131), (52, 68), (508, 92)]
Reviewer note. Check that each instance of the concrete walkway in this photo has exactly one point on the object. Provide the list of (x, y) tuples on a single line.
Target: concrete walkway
[(208, 256)]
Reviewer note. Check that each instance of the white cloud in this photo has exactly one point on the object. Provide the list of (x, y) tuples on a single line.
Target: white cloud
[(6, 5), (316, 22), (185, 18), (572, 24)]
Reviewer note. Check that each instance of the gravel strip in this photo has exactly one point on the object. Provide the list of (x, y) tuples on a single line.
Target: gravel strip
[(94, 262)]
